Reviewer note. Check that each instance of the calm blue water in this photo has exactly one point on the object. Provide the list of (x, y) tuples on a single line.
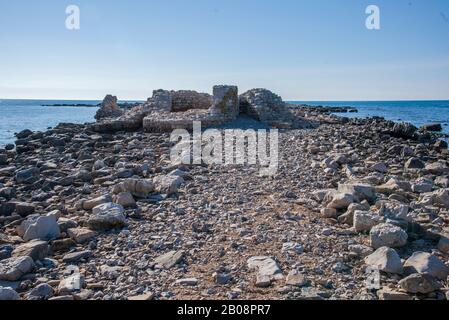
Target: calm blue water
[(17, 115), (416, 112)]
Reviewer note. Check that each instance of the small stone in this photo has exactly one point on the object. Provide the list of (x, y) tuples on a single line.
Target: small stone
[(341, 201), (62, 245), (386, 260), (361, 250), (434, 127), (28, 176), (6, 251), (8, 294), (414, 163), (188, 282), (62, 298), (142, 297), (443, 244), (419, 283), (340, 267), (292, 247), (90, 204), (41, 292), (263, 281), (313, 294), (380, 167), (39, 227), (24, 209), (364, 221), (126, 200), (266, 267), (81, 235), (76, 256), (110, 273), (71, 284), (329, 213), (222, 278), (14, 268), (437, 168), (423, 262), (106, 217), (65, 224), (168, 184), (391, 295), (388, 235), (295, 279), (35, 249), (170, 259)]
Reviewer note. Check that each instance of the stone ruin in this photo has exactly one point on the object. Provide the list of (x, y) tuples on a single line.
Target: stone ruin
[(166, 111)]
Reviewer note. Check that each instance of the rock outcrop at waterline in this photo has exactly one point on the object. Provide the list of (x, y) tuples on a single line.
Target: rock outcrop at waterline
[(109, 108), (169, 110)]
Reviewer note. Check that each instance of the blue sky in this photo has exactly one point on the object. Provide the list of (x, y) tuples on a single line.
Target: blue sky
[(301, 49)]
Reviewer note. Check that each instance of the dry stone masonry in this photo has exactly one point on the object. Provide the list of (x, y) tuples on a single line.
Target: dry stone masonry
[(166, 111)]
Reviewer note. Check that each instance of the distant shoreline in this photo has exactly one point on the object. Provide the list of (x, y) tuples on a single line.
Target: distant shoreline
[(73, 105)]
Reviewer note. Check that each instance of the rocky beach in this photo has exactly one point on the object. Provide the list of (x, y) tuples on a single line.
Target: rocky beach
[(358, 208)]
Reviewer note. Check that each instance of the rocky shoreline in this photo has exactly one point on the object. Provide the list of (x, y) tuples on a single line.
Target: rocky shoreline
[(99, 214)]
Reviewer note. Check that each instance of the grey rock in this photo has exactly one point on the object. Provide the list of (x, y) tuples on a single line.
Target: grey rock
[(28, 176), (420, 283), (109, 108), (76, 256), (404, 130), (386, 260), (341, 201), (126, 200), (388, 235), (41, 292), (8, 294), (365, 221), (39, 227), (35, 249), (443, 244), (437, 168), (81, 235), (90, 204), (423, 262), (265, 267), (168, 184), (24, 209), (391, 295), (380, 167), (14, 268), (295, 279), (414, 163), (106, 217), (71, 284), (137, 187), (188, 282), (170, 259), (435, 127), (360, 250)]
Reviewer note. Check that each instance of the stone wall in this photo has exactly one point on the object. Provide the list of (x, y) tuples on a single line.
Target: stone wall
[(261, 104), (169, 110), (187, 100)]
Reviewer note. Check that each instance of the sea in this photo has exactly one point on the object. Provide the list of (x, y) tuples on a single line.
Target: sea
[(17, 115), (415, 112)]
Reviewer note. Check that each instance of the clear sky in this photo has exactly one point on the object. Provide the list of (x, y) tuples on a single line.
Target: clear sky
[(301, 49)]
